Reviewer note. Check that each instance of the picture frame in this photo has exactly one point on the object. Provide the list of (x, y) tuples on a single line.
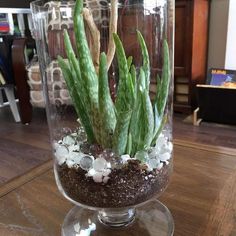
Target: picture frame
[(221, 77)]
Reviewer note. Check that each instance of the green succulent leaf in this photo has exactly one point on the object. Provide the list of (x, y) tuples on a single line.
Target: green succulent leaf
[(76, 99), (106, 106), (88, 72), (129, 61), (142, 121), (162, 94), (165, 80), (146, 62), (129, 144), (120, 136)]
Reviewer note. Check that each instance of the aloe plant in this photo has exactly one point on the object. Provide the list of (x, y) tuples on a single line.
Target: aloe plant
[(133, 122)]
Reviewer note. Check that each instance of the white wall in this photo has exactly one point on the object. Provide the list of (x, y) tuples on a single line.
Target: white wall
[(218, 33), (230, 58), (222, 34)]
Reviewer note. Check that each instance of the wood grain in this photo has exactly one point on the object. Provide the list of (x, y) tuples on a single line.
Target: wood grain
[(201, 197), (26, 177), (22, 147), (207, 133)]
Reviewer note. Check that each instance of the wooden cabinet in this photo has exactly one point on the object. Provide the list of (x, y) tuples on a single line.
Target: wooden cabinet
[(191, 39)]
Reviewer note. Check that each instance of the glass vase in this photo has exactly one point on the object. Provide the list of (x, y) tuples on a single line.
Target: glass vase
[(107, 72)]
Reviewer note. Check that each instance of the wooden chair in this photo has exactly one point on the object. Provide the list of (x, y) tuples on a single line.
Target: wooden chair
[(19, 60)]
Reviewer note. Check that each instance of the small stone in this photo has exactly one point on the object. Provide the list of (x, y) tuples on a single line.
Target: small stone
[(74, 148), (61, 151), (74, 135), (70, 163), (97, 177), (159, 166), (170, 146), (68, 140), (153, 153), (141, 156), (106, 172), (60, 142), (161, 141), (86, 162), (99, 164), (77, 227), (61, 160), (75, 156), (56, 145), (167, 162), (153, 163), (125, 158), (91, 172), (165, 156), (105, 179)]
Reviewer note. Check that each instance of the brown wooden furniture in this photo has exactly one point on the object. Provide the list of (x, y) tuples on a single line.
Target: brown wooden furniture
[(215, 104), (201, 196), (20, 75), (191, 39)]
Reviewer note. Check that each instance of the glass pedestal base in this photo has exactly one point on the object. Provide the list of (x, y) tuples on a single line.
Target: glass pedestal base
[(150, 219)]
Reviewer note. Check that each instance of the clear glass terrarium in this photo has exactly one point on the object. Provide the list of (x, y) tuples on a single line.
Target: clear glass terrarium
[(107, 70)]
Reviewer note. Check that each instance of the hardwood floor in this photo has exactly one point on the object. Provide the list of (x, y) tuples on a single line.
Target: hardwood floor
[(207, 133), (23, 147)]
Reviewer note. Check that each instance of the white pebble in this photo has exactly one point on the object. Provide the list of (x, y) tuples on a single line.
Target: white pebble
[(154, 153), (61, 160), (165, 156), (61, 151), (56, 145), (91, 172), (141, 155), (170, 146), (77, 227), (60, 142), (159, 166), (97, 177), (106, 172), (75, 156), (74, 134), (166, 162), (125, 158), (160, 142), (105, 179), (86, 162), (70, 163), (99, 164), (153, 163), (74, 148), (68, 140)]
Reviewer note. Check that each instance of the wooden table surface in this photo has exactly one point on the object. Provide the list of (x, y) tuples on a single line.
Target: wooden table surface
[(201, 196)]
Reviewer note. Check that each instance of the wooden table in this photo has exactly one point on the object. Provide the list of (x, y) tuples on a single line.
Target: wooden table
[(201, 196)]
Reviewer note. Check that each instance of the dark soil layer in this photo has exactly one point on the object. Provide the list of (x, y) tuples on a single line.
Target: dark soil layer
[(127, 186)]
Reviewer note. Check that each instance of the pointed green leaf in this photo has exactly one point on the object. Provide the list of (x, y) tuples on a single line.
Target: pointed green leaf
[(146, 62), (106, 107)]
